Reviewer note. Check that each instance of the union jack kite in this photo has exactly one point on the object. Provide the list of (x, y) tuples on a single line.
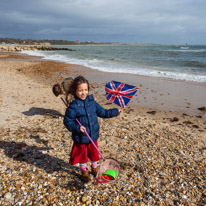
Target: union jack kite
[(120, 93)]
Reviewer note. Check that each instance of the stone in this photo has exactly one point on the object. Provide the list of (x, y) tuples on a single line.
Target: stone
[(84, 199), (8, 196)]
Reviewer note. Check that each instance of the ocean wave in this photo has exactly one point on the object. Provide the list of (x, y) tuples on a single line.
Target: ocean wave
[(184, 47), (115, 60), (156, 73), (187, 50), (117, 67)]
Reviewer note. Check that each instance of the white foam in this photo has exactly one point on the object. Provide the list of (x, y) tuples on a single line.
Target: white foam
[(109, 66), (186, 50), (155, 73)]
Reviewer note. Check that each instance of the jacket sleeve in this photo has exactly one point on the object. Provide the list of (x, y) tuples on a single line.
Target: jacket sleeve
[(106, 113), (70, 120)]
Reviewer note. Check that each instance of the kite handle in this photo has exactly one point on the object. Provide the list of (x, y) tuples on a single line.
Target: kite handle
[(85, 132)]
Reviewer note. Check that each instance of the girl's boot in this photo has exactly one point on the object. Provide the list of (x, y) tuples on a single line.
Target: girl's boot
[(85, 176), (94, 171)]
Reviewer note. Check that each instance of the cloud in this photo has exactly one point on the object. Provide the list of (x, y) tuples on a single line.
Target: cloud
[(132, 20)]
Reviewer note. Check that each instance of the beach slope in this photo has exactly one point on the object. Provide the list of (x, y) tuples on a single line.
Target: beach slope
[(161, 152)]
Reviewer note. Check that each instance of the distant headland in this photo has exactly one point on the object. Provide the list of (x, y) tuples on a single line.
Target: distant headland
[(12, 44), (46, 42)]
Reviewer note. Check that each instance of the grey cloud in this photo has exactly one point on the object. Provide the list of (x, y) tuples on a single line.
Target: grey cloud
[(132, 20)]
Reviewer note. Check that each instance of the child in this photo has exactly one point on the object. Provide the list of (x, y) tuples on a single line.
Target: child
[(86, 110)]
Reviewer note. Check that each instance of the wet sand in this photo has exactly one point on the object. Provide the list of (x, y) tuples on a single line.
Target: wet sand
[(161, 94)]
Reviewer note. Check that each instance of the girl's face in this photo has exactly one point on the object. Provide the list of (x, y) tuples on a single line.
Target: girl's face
[(82, 91)]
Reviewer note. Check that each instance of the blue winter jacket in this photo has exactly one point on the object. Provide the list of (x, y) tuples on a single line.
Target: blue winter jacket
[(86, 111)]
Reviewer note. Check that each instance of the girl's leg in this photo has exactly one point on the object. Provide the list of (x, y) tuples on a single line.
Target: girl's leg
[(94, 157), (94, 168), (79, 155), (94, 164), (85, 173), (83, 166)]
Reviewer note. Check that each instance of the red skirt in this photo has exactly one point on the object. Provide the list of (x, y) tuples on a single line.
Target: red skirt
[(81, 152)]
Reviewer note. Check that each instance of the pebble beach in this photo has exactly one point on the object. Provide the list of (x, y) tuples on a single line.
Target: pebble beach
[(160, 147)]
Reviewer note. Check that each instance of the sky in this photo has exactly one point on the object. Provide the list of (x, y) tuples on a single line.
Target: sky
[(124, 21)]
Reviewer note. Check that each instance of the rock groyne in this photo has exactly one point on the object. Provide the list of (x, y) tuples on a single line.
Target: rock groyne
[(17, 48)]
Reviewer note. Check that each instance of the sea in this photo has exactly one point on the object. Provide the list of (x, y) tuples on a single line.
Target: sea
[(179, 62)]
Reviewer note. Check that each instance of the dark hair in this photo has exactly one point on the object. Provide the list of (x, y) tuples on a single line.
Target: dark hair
[(76, 82)]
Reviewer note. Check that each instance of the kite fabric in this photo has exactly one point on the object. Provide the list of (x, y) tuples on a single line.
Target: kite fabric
[(120, 93)]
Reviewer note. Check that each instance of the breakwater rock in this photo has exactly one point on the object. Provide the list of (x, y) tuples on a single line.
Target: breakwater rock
[(16, 48)]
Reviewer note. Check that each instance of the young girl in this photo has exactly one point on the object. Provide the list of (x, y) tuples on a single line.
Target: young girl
[(87, 111)]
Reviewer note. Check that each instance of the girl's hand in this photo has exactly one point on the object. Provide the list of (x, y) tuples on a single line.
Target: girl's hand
[(82, 129), (120, 111)]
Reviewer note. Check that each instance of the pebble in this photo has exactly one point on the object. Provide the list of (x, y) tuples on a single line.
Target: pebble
[(8, 196), (161, 163), (84, 199)]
